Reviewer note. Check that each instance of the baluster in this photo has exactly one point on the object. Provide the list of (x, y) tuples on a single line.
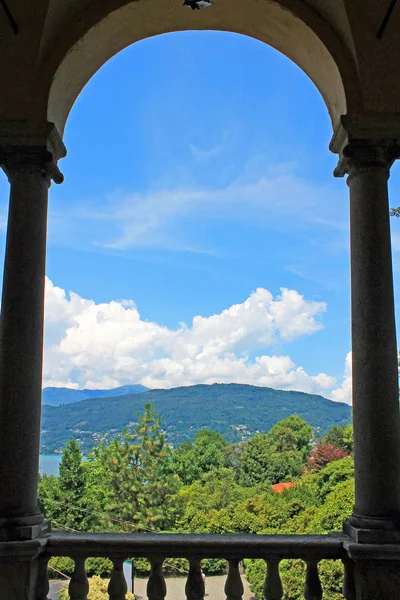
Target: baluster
[(156, 588), (349, 586), (79, 586), (273, 586), (312, 586), (234, 586), (195, 588), (42, 586), (117, 587)]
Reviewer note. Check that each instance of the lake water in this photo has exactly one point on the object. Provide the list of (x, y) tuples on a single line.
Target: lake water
[(49, 463)]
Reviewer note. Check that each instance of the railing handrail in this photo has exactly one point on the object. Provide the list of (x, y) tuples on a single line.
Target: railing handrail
[(196, 546)]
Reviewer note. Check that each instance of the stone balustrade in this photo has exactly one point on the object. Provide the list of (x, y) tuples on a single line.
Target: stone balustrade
[(195, 547)]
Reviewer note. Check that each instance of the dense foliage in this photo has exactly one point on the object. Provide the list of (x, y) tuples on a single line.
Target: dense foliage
[(207, 453), (208, 486), (276, 456), (236, 411)]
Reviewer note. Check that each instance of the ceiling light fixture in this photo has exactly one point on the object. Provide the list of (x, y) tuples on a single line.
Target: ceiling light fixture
[(197, 4)]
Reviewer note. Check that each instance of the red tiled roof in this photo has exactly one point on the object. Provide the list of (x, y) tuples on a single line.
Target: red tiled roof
[(279, 487)]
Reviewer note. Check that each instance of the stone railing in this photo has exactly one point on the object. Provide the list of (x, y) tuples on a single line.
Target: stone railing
[(194, 547)]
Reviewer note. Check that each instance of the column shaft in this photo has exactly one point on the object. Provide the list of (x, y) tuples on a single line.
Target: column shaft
[(375, 378), (21, 344)]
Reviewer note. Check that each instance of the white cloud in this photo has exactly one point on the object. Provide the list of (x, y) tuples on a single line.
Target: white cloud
[(344, 393), (147, 220), (106, 345), (159, 219)]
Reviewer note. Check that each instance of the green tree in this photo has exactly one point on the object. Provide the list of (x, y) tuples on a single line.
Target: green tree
[(207, 453), (334, 473), (232, 455), (348, 437), (337, 507), (260, 463), (64, 499), (51, 500), (255, 461), (72, 483), (341, 436), (137, 477), (291, 435), (72, 478), (277, 455), (216, 491)]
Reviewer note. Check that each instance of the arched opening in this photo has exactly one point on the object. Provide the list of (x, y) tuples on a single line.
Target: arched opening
[(162, 175), (294, 30), (126, 143)]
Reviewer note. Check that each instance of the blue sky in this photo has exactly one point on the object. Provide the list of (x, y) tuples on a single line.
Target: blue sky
[(198, 171)]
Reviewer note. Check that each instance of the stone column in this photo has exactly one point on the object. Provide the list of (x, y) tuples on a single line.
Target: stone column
[(376, 515), (29, 170)]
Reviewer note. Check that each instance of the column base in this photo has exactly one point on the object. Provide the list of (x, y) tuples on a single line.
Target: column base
[(364, 530), (375, 571), (24, 528), (23, 570), (374, 581)]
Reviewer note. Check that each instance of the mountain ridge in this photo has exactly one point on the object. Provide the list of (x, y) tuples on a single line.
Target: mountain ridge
[(235, 410), (55, 396)]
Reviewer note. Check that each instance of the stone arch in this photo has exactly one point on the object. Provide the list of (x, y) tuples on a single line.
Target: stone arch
[(289, 26)]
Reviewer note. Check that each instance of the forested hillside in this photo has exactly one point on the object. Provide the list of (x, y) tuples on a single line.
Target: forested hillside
[(236, 411)]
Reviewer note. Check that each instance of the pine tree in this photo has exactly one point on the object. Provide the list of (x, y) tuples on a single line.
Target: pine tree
[(139, 481), (72, 486)]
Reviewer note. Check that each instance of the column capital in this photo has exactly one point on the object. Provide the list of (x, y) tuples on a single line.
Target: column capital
[(363, 155), (26, 147), (366, 141), (14, 159)]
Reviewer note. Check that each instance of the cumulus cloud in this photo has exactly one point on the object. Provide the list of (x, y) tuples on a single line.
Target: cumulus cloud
[(108, 344), (344, 392)]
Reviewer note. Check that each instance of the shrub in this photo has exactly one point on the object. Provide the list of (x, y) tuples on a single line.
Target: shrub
[(333, 474), (293, 575), (322, 455), (60, 564), (142, 566), (100, 567), (255, 574), (338, 506), (94, 566), (97, 590), (214, 566)]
